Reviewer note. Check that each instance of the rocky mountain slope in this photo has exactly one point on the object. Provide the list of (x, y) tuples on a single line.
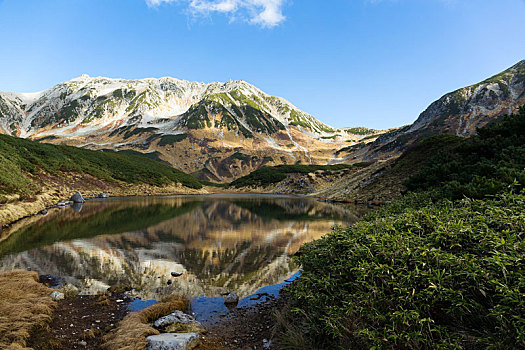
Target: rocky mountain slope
[(220, 130), (459, 112)]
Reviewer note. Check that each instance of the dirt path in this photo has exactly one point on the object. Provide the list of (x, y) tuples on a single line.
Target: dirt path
[(244, 328), (80, 322)]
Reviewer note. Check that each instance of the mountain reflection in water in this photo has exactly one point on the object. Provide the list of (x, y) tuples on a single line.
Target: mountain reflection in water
[(220, 243)]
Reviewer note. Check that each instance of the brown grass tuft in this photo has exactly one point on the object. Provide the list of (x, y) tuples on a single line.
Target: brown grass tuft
[(132, 331), (25, 304)]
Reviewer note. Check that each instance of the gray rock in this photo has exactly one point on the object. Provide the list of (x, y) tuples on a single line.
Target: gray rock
[(103, 195), (55, 295), (175, 317), (231, 298), (173, 341), (77, 198)]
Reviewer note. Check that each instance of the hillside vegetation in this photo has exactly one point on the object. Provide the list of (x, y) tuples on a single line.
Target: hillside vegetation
[(22, 161), (268, 175), (486, 164), (428, 271)]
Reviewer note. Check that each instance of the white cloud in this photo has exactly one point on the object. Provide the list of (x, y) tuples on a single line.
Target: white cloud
[(266, 13)]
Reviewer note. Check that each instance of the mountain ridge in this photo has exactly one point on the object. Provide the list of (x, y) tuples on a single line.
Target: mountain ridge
[(195, 127), (459, 112), (86, 87)]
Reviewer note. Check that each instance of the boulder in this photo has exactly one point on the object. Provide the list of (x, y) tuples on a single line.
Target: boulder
[(176, 316), (77, 198), (56, 295), (173, 341), (103, 195), (231, 298)]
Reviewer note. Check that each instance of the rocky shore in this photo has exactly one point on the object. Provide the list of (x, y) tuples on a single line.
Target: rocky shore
[(105, 321), (17, 209)]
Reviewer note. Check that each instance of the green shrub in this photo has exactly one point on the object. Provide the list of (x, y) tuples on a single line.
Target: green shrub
[(487, 164), (418, 276), (172, 139), (429, 271)]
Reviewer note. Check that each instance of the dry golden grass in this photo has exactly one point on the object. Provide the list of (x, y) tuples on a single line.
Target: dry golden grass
[(24, 305), (132, 331)]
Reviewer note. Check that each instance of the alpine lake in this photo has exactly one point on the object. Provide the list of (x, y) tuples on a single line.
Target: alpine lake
[(214, 244)]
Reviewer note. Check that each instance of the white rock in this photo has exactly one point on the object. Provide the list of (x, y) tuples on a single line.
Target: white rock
[(172, 341), (55, 295), (231, 298), (176, 316)]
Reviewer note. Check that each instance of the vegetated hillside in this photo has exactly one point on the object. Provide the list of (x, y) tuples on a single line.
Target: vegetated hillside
[(298, 178), (196, 127), (459, 112), (486, 164), (26, 166), (383, 181), (272, 175), (366, 183), (428, 271)]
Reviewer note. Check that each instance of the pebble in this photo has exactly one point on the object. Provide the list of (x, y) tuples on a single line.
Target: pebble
[(82, 343)]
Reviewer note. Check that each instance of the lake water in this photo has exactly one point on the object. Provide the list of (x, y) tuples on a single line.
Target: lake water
[(219, 243)]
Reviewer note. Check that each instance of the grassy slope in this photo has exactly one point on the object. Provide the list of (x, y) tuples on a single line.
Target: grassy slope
[(383, 181), (21, 160), (268, 175), (423, 272)]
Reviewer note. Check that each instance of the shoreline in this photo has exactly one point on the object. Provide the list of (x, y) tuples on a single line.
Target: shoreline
[(94, 321), (17, 211)]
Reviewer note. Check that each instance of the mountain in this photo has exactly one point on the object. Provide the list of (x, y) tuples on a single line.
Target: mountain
[(218, 131), (460, 112)]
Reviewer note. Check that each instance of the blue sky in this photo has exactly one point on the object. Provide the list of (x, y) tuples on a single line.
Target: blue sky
[(375, 63)]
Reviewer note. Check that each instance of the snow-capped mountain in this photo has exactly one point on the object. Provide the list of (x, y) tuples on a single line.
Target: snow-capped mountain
[(85, 104), (193, 126)]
